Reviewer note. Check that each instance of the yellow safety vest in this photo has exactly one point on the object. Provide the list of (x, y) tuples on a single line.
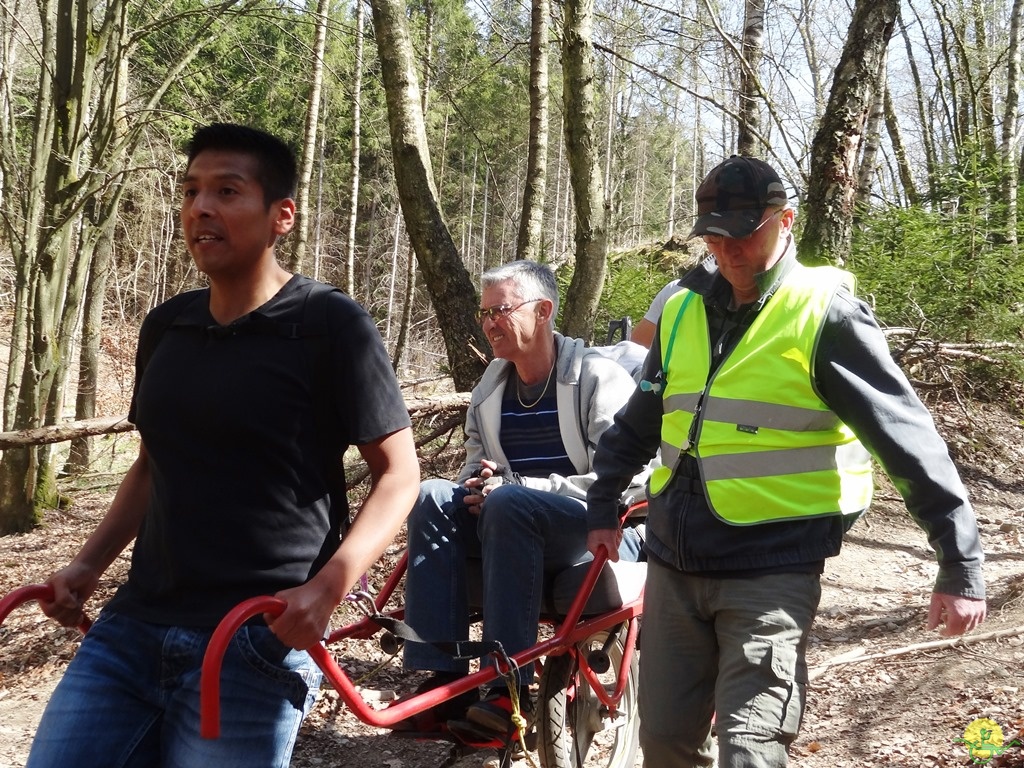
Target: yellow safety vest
[(767, 446)]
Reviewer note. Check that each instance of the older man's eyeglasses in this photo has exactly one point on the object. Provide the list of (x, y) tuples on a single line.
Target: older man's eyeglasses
[(719, 239), (500, 311)]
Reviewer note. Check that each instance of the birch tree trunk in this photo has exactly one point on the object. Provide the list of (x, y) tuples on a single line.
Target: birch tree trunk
[(353, 205), (1011, 123), (531, 219), (580, 309), (445, 276), (924, 121), (869, 157), (836, 146), (300, 236), (749, 127), (899, 150), (674, 171)]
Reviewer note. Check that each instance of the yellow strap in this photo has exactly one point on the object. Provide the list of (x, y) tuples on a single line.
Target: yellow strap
[(517, 716)]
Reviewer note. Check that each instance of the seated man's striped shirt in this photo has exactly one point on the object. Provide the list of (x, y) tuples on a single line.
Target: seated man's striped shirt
[(529, 435)]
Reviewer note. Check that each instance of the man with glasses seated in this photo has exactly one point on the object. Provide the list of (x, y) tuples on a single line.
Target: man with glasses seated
[(519, 502)]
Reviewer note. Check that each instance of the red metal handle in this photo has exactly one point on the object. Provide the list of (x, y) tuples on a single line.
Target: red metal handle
[(33, 592), (209, 680)]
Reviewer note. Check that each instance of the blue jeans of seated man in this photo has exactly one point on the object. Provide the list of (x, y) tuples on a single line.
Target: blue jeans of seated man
[(521, 535), (130, 699)]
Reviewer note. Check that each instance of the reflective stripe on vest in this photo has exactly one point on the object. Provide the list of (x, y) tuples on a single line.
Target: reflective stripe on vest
[(768, 448)]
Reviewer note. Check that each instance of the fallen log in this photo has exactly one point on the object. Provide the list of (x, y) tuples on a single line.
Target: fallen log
[(70, 430), (419, 408)]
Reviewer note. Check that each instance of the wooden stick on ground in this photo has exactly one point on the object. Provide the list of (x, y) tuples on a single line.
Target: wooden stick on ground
[(858, 655)]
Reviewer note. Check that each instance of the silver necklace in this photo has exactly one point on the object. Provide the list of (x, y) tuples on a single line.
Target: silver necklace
[(544, 391)]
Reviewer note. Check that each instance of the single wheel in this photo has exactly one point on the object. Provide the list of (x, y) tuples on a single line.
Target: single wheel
[(574, 728)]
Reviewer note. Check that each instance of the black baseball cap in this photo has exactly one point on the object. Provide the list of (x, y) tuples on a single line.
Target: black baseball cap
[(733, 197)]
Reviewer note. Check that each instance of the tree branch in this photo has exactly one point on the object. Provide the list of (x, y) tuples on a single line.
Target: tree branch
[(857, 656), (419, 408)]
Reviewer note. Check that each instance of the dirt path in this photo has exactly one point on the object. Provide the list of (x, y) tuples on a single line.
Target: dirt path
[(906, 710)]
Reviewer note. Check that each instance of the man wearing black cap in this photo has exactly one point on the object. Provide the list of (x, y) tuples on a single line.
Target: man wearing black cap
[(768, 389)]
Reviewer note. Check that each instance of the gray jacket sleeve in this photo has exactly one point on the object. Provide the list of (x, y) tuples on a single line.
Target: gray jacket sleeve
[(626, 447), (857, 377)]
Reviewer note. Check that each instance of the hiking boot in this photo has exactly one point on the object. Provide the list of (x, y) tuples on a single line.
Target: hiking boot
[(494, 712), (431, 720)]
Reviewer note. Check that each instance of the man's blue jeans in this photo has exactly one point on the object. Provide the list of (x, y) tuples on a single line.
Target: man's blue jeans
[(521, 535), (130, 698)]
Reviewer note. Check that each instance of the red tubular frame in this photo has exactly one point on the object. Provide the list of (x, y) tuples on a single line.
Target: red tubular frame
[(33, 592), (569, 631)]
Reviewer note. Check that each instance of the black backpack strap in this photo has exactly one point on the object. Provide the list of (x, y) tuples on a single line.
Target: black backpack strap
[(160, 319), (315, 334)]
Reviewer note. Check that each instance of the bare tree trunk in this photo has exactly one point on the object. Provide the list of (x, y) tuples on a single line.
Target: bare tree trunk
[(393, 275), (26, 238), (467, 249), (353, 206), (869, 158), (409, 295), (609, 127), (981, 69), (927, 137), (410, 298), (531, 218), (445, 276), (100, 215), (428, 54), (1011, 123), (300, 236), (556, 219), (892, 127), (674, 173), (834, 152), (79, 457), (750, 91), (957, 74), (318, 216), (584, 291), (805, 16), (27, 477), (568, 215), (483, 226), (9, 17)]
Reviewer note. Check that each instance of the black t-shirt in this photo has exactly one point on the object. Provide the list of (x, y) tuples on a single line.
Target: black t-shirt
[(240, 504)]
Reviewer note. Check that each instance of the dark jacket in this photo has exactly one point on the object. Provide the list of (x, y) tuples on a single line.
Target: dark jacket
[(857, 378)]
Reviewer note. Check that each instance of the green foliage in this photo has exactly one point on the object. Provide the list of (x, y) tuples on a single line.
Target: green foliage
[(253, 68), (947, 270), (633, 279)]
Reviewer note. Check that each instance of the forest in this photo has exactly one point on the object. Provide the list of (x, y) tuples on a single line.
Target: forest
[(438, 138)]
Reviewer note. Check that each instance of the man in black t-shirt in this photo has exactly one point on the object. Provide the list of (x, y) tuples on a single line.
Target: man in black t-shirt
[(247, 394)]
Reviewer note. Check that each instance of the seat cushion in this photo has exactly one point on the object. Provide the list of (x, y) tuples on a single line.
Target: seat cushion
[(619, 583)]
